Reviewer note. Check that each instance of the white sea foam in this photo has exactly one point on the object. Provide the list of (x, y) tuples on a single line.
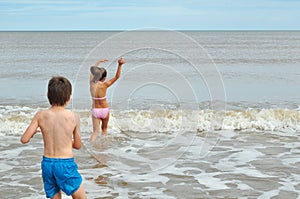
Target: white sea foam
[(15, 119), (211, 182)]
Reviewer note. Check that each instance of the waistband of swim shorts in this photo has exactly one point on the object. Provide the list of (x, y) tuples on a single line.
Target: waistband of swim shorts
[(58, 159)]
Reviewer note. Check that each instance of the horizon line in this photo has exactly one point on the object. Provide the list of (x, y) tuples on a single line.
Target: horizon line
[(180, 30)]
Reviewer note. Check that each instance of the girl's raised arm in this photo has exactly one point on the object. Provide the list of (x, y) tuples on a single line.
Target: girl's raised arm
[(100, 61), (121, 61)]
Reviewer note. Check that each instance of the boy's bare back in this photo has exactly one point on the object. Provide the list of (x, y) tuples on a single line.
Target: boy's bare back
[(58, 127)]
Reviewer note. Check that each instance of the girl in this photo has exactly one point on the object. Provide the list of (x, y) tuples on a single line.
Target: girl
[(98, 87)]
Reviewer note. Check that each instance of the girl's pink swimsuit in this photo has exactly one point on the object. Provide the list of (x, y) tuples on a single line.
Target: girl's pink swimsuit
[(100, 113)]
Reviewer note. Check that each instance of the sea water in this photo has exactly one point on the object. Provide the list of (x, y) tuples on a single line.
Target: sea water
[(194, 114)]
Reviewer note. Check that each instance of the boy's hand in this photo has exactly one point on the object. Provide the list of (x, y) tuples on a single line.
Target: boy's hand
[(121, 61)]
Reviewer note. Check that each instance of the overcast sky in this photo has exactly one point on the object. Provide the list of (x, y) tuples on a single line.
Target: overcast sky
[(138, 14)]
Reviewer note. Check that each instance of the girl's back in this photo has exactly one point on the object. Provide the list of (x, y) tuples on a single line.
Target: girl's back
[(98, 93)]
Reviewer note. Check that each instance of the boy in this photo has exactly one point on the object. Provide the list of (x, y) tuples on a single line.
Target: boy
[(60, 130)]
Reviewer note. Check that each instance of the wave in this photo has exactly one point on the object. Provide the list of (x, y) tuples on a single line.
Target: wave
[(15, 119)]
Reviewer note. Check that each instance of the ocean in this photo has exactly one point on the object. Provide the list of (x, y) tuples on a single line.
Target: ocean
[(195, 114)]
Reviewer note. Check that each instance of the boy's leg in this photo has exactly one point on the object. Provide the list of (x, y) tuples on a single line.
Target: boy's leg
[(96, 128), (80, 193), (57, 196), (104, 125)]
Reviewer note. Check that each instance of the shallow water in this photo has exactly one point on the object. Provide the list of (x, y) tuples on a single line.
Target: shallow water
[(241, 164), (219, 119)]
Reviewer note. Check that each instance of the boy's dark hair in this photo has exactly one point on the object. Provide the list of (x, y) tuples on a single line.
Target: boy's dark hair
[(59, 91), (99, 73)]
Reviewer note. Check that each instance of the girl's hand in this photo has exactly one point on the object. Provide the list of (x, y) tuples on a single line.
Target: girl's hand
[(121, 61), (103, 60), (100, 61)]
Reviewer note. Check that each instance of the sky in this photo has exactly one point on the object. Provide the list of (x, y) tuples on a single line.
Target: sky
[(140, 14)]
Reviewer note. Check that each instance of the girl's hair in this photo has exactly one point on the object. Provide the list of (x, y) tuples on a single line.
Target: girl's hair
[(59, 91), (99, 73)]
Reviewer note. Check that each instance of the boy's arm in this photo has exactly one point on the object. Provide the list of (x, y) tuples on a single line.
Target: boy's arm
[(76, 133), (31, 130), (118, 73)]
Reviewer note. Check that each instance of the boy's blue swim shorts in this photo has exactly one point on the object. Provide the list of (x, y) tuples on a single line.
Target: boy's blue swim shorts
[(60, 174)]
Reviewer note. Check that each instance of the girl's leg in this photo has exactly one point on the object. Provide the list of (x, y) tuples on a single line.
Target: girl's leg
[(96, 128), (104, 125)]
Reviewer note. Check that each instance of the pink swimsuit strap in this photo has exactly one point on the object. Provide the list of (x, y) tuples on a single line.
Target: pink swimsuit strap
[(99, 98)]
